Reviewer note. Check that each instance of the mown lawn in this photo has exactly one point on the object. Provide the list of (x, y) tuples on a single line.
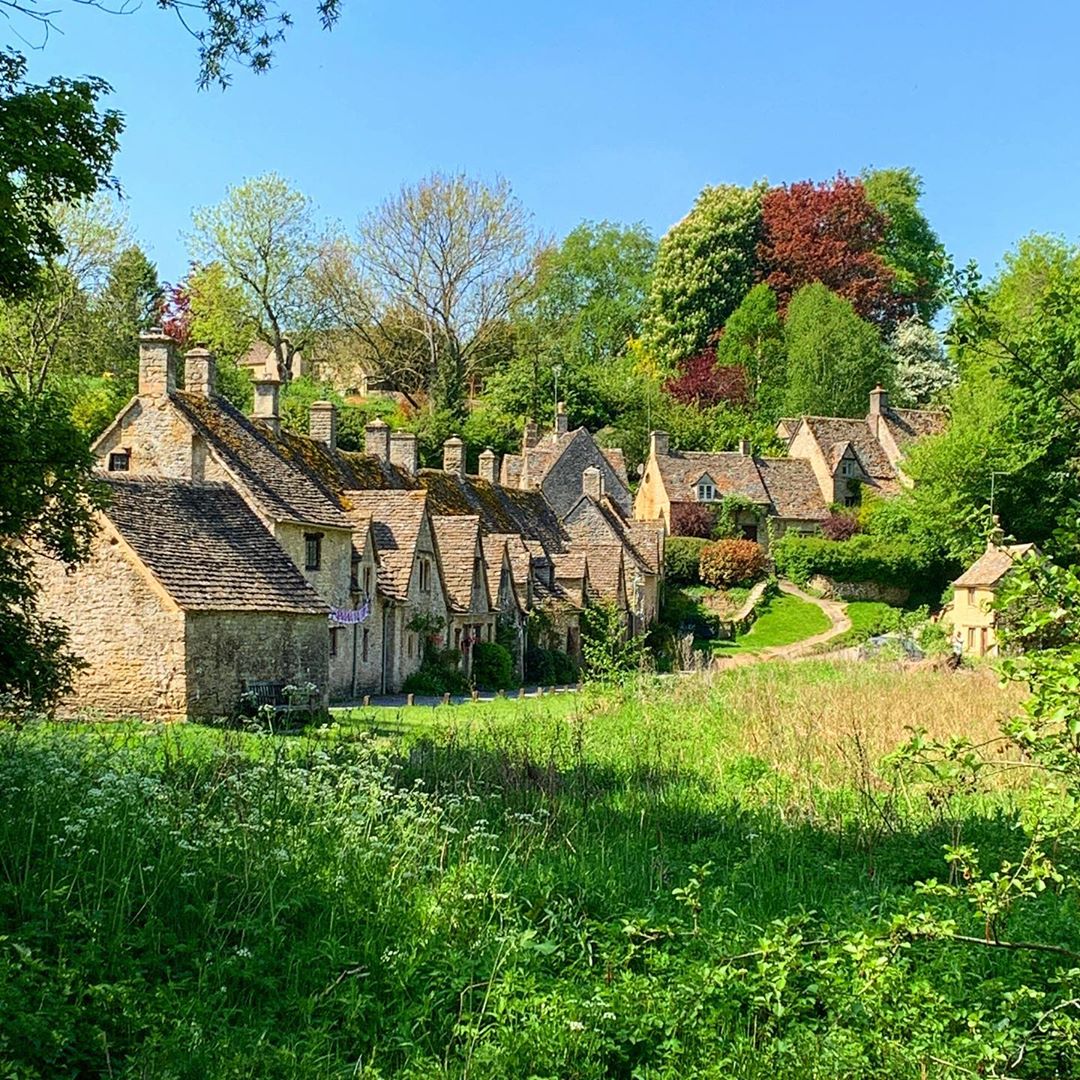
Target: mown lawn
[(784, 620), (668, 879)]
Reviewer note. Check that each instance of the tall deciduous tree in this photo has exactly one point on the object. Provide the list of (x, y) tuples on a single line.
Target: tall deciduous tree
[(704, 267), (830, 233), (266, 238), (753, 338), (910, 247), (834, 358), (923, 371), (438, 268)]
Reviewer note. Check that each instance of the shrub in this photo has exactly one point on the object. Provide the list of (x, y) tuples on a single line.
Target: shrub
[(862, 558), (607, 651), (549, 667), (492, 666), (692, 519), (840, 525), (682, 556), (731, 562), (440, 673)]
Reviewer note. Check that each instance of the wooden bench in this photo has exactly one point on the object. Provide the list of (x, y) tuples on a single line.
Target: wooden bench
[(263, 693)]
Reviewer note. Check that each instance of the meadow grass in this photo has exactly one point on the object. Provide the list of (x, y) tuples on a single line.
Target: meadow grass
[(632, 882), (784, 620)]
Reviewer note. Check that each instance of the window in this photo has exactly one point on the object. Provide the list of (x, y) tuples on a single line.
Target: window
[(354, 580), (457, 639), (410, 645), (425, 575), (749, 532), (120, 461), (367, 581), (364, 645), (333, 641), (851, 500), (848, 468), (706, 492), (312, 551)]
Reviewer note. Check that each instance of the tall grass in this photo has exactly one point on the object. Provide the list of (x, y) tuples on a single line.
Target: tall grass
[(566, 890)]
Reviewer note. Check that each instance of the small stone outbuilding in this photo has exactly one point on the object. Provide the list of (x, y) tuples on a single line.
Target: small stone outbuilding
[(971, 616)]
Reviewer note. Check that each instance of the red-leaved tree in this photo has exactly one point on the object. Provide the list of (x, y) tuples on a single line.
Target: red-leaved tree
[(703, 382), (830, 232), (840, 526), (692, 519), (176, 313)]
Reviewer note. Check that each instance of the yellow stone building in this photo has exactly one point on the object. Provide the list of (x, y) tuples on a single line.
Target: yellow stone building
[(971, 615)]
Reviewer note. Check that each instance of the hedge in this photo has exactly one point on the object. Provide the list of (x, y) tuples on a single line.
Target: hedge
[(862, 558), (492, 666), (731, 562), (682, 559)]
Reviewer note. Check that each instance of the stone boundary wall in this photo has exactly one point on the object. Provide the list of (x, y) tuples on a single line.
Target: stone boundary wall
[(859, 590)]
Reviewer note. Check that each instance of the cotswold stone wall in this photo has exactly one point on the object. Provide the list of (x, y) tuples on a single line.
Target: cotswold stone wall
[(131, 640), (225, 648), (858, 590)]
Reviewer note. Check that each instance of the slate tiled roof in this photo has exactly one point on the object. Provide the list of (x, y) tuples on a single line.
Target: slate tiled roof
[(907, 425), (830, 431), (456, 539), (206, 547), (992, 565), (793, 488), (275, 477), (396, 521), (648, 540), (730, 472), (495, 547), (520, 559), (617, 460), (606, 579), (569, 565), (601, 524)]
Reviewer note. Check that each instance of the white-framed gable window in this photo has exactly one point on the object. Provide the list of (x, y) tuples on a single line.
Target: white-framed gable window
[(706, 491), (849, 468)]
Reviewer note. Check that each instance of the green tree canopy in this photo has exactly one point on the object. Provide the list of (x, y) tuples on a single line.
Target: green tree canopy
[(834, 358), (753, 337)]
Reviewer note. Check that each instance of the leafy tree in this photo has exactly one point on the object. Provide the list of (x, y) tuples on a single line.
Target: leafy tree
[(704, 266), (910, 247), (923, 371), (830, 233), (265, 238), (753, 339), (834, 357), (128, 303), (701, 381)]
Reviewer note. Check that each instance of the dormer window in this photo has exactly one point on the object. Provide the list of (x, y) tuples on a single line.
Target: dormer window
[(706, 492), (120, 461), (848, 468)]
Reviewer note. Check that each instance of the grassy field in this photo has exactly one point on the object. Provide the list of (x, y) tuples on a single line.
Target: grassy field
[(671, 879), (784, 620)]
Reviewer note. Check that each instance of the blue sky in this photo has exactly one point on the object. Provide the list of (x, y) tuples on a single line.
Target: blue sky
[(602, 110)]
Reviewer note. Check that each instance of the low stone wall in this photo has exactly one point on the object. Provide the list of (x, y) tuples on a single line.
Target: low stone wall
[(745, 616), (858, 590)]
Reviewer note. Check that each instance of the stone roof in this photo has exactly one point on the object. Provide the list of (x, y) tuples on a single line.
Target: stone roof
[(456, 539), (617, 460), (648, 540), (396, 521), (831, 431), (495, 546), (907, 425), (206, 546), (606, 579), (269, 467), (730, 472), (520, 559), (994, 563), (793, 489), (600, 524)]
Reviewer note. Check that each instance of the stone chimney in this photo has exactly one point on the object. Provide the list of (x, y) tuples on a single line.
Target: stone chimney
[(157, 363), (453, 456), (659, 444), (745, 448), (489, 466), (199, 372), (404, 451), (266, 403), (562, 421), (322, 423), (377, 439), (531, 434), (592, 483), (879, 402)]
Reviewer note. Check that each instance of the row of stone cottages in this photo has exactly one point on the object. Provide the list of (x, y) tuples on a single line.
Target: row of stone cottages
[(233, 551)]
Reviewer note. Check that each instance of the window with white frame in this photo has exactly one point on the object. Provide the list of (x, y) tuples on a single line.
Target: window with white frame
[(705, 491), (848, 468)]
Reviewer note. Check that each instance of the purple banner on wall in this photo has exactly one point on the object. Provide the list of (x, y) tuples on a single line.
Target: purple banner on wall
[(350, 616)]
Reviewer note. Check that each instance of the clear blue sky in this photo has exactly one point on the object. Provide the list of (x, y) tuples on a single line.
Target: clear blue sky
[(607, 110)]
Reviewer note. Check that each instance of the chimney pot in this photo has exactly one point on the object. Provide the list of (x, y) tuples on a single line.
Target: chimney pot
[(745, 448), (562, 421), (454, 456), (377, 440), (266, 403), (404, 451), (659, 443), (322, 423), (199, 372), (592, 482), (157, 363), (489, 466), (531, 434), (879, 400)]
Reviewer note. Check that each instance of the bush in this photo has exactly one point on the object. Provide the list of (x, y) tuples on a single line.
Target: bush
[(862, 558), (840, 525), (440, 673), (682, 555), (731, 562), (549, 667), (692, 519), (492, 666)]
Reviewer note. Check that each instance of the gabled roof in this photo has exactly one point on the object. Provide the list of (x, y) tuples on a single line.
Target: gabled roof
[(792, 488), (206, 547), (397, 518), (520, 560), (594, 523), (994, 563), (606, 572), (457, 539), (731, 472), (496, 550), (831, 431), (907, 425), (275, 478), (648, 540), (617, 460)]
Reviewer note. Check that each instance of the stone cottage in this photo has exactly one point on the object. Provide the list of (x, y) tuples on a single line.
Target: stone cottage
[(970, 616), (185, 598)]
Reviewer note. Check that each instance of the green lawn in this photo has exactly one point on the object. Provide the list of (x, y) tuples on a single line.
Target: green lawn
[(784, 620)]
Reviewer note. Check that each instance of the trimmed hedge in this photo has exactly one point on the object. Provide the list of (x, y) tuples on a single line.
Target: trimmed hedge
[(492, 666), (682, 559), (731, 562), (862, 558)]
